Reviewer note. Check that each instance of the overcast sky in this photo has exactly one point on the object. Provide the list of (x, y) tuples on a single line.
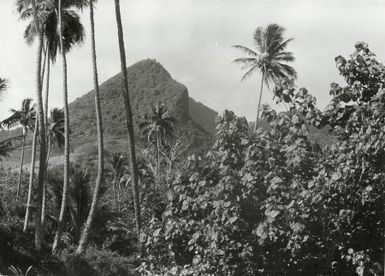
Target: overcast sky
[(192, 39)]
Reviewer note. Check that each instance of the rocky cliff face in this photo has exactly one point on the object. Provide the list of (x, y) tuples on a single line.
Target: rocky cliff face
[(149, 84)]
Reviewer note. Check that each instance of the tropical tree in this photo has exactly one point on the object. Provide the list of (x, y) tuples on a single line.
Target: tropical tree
[(5, 145), (73, 31), (79, 198), (40, 114), (24, 117), (118, 165), (31, 174), (60, 7), (129, 119), (99, 177), (158, 126), (55, 130), (174, 153), (269, 58), (55, 136)]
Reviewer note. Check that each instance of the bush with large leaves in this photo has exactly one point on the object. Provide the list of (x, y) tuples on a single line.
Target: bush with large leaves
[(276, 202)]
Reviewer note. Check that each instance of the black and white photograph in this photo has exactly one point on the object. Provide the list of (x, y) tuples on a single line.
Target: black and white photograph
[(192, 137)]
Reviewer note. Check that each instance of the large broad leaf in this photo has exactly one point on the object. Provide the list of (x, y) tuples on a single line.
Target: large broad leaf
[(336, 176)]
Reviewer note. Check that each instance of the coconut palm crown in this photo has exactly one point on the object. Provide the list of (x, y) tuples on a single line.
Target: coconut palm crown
[(56, 127), (25, 117), (73, 29), (269, 58), (158, 125)]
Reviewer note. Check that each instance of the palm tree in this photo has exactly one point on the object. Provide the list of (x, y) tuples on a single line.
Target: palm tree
[(40, 114), (25, 117), (55, 135), (31, 174), (73, 31), (60, 7), (270, 58), (55, 130), (100, 177), (118, 166), (158, 126), (6, 146), (79, 199), (129, 120)]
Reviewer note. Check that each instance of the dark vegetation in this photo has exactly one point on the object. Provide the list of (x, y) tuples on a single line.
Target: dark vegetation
[(274, 202), (302, 194)]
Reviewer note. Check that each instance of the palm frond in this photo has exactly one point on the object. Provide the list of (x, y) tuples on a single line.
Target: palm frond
[(250, 72), (7, 146), (246, 50), (288, 70), (258, 39), (283, 45), (272, 37), (3, 85), (284, 56)]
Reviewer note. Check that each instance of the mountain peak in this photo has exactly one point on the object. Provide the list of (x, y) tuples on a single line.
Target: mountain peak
[(149, 84), (151, 67)]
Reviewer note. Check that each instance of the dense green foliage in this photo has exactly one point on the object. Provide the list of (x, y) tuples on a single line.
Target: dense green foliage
[(278, 203)]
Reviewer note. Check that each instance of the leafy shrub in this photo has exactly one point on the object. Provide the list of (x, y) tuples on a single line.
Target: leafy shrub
[(278, 203), (99, 262)]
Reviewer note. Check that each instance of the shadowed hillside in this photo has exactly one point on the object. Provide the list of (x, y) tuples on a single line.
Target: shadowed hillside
[(203, 115), (149, 84)]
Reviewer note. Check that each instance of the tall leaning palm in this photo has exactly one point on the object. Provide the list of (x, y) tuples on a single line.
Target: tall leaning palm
[(129, 119), (159, 127), (60, 28), (24, 117), (73, 33), (99, 177), (269, 58), (40, 114)]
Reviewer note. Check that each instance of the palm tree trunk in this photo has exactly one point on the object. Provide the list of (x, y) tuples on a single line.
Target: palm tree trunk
[(99, 179), (40, 115), (114, 186), (66, 139), (129, 120), (169, 173), (259, 103), (33, 157), (31, 175), (157, 159), (47, 87), (43, 212), (118, 197), (44, 204), (21, 165), (44, 63)]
